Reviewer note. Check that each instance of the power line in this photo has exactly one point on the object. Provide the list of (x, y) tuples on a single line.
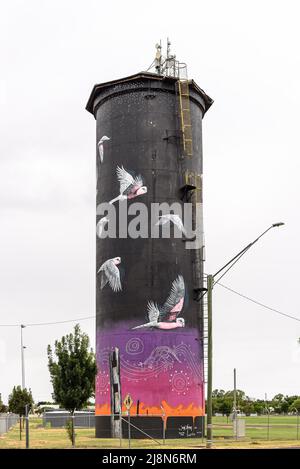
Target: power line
[(10, 325), (48, 323), (258, 303), (59, 322), (93, 317)]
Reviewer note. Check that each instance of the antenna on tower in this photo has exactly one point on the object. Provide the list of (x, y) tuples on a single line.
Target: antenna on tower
[(158, 58), (168, 65)]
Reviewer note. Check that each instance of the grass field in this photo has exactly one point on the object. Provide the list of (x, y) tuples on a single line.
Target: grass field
[(284, 427), (282, 433)]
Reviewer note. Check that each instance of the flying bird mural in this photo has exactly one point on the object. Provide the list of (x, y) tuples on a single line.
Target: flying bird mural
[(130, 186), (110, 274), (100, 146), (170, 217), (166, 316), (101, 225)]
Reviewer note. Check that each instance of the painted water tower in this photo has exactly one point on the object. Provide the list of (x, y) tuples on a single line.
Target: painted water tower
[(149, 286)]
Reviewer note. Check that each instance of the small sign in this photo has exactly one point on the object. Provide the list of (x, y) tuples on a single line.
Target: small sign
[(128, 401)]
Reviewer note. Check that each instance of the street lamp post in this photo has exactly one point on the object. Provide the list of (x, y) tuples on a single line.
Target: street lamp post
[(22, 357), (234, 406), (209, 362), (211, 281)]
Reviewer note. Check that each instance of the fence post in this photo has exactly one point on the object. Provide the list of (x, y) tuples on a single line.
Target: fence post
[(129, 429), (268, 424), (164, 421), (121, 431), (20, 418), (27, 426)]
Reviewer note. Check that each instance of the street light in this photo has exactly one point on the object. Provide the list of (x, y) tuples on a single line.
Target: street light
[(22, 357), (211, 281)]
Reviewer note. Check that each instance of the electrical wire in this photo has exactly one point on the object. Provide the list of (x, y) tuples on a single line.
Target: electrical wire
[(290, 316), (59, 322), (48, 323), (295, 318)]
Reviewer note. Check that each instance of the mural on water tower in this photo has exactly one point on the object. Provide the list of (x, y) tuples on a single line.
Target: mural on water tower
[(145, 292)]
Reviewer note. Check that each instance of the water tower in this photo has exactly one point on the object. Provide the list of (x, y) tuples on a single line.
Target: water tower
[(149, 151)]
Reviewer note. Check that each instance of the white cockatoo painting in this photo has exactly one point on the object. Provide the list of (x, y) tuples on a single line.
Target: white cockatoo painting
[(101, 225), (110, 274), (172, 218), (100, 147)]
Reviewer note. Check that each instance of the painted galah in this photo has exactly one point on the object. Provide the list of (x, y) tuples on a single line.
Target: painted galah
[(130, 186), (166, 316)]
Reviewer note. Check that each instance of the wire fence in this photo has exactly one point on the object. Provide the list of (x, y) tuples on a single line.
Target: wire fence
[(60, 419), (7, 421), (37, 432), (258, 428)]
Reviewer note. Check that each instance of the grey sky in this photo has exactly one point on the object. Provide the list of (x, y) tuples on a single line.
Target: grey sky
[(245, 55)]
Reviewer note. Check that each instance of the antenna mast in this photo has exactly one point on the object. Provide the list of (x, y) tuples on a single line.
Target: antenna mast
[(168, 65)]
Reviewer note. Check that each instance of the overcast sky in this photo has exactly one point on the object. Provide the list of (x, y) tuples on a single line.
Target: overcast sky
[(245, 55)]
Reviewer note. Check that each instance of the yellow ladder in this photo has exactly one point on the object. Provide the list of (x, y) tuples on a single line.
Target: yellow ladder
[(185, 117)]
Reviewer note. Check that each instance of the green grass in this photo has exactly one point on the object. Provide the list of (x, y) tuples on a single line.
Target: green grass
[(282, 432), (284, 427), (85, 438)]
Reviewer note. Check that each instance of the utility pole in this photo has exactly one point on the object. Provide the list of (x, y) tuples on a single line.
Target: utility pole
[(268, 413), (22, 357), (209, 361), (211, 281), (27, 425), (234, 405)]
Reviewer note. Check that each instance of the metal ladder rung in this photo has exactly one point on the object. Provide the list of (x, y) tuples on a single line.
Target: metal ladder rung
[(185, 117)]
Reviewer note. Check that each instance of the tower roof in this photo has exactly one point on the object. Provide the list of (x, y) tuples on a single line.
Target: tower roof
[(143, 76)]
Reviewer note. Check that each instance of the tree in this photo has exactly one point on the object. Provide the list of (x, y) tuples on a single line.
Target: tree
[(247, 407), (277, 403), (240, 396), (218, 393), (295, 405), (74, 370), (18, 399), (259, 406), (3, 407), (226, 407)]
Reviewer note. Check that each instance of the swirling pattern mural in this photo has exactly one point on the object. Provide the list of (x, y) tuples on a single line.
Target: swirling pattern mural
[(177, 368)]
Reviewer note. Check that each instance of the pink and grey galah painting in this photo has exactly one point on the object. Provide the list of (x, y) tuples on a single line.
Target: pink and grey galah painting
[(167, 316), (130, 186)]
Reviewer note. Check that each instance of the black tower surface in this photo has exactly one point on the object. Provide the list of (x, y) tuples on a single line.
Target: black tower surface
[(139, 128)]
